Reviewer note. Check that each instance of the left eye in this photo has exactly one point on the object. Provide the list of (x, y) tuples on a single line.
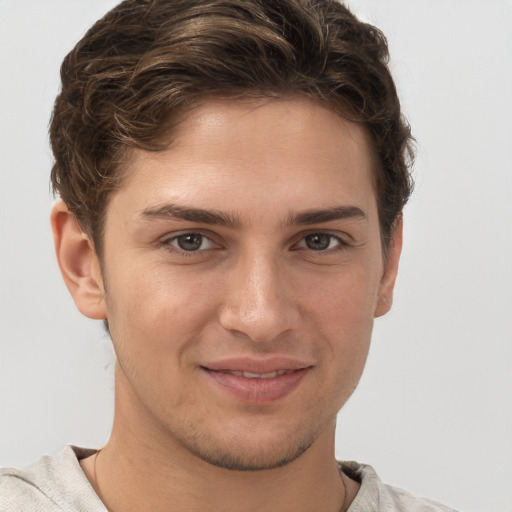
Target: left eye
[(320, 242), (191, 242)]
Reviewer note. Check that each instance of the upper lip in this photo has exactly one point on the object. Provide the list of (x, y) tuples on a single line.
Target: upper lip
[(257, 365)]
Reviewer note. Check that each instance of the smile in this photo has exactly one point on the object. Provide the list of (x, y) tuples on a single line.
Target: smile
[(251, 375), (253, 387)]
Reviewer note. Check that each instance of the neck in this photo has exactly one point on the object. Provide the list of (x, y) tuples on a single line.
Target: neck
[(134, 477)]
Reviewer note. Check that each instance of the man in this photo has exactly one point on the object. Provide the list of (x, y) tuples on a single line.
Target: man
[(232, 176)]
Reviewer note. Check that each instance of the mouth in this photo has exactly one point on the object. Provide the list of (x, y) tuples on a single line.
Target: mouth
[(256, 382), (251, 375)]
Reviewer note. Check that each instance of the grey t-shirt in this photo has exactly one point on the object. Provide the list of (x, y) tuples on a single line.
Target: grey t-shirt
[(58, 484)]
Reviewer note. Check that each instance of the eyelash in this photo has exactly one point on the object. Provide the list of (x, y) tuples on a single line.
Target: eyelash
[(340, 243), (168, 243)]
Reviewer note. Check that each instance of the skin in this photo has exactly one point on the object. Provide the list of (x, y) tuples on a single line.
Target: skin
[(272, 282)]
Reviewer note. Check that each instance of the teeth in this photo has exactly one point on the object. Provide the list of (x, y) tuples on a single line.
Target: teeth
[(251, 375), (269, 375)]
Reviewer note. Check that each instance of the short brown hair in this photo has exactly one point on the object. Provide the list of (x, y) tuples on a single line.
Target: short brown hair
[(148, 61)]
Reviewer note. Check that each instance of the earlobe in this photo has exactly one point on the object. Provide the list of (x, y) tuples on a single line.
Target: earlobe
[(78, 263), (387, 284)]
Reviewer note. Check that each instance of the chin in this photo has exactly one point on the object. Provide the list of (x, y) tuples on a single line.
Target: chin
[(264, 460), (249, 452)]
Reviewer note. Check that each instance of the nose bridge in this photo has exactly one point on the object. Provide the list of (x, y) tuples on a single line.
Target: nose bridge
[(257, 301)]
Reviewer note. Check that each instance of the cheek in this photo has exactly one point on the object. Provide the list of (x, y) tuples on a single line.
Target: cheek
[(342, 310), (347, 326), (346, 298), (348, 333), (153, 307)]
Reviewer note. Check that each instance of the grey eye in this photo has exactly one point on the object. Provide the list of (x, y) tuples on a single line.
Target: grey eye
[(318, 241), (189, 242)]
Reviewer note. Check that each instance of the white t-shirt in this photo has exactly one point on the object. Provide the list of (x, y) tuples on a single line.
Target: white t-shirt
[(58, 484)]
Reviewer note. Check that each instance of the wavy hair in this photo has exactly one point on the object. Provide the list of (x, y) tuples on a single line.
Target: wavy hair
[(146, 62)]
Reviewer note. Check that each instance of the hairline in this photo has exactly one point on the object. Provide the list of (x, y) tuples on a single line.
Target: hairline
[(126, 153)]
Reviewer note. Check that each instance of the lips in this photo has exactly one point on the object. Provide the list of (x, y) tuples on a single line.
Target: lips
[(251, 375), (257, 381)]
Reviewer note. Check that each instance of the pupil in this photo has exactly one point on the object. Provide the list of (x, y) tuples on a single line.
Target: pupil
[(190, 242), (318, 242)]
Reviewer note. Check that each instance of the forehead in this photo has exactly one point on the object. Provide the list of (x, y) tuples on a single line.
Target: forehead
[(265, 152)]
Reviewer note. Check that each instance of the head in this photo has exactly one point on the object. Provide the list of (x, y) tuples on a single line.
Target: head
[(141, 68), (233, 174)]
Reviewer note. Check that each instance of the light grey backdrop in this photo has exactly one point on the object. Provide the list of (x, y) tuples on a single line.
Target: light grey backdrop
[(433, 412)]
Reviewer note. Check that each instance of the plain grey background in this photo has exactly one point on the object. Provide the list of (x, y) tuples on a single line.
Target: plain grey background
[(433, 412)]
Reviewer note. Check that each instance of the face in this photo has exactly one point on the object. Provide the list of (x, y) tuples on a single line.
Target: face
[(242, 270)]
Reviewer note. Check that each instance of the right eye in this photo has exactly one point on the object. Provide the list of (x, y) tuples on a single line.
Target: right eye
[(190, 242)]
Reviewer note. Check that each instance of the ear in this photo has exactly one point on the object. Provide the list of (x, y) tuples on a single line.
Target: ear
[(387, 283), (78, 263)]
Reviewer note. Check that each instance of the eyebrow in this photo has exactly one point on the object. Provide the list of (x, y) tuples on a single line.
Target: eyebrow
[(326, 215), (173, 211), (215, 217)]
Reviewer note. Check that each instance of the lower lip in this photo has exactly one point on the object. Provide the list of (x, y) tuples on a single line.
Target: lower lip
[(258, 391)]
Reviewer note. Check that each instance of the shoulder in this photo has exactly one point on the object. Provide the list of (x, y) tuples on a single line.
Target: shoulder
[(19, 490), (376, 496), (53, 484)]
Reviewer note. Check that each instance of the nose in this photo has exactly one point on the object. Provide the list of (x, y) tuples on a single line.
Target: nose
[(259, 301)]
